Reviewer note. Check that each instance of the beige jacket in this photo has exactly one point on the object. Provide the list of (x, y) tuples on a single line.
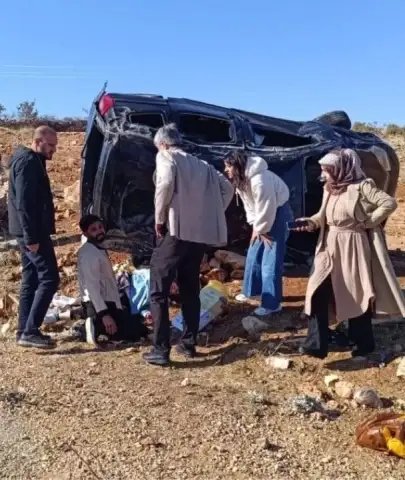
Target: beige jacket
[(371, 207), (191, 198)]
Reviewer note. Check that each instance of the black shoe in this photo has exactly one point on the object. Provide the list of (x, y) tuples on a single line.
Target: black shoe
[(46, 337), (339, 339), (312, 353), (361, 352), (157, 357), (188, 351), (35, 341)]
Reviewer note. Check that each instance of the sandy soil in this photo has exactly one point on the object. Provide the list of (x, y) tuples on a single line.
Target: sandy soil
[(83, 413)]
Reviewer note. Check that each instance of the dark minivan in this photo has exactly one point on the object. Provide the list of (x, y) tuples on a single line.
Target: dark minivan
[(118, 161)]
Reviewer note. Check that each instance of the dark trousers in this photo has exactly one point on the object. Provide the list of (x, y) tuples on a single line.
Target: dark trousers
[(130, 328), (39, 283), (360, 328), (174, 258)]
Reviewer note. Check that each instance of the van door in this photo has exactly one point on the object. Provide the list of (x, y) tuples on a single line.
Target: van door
[(127, 193), (90, 156)]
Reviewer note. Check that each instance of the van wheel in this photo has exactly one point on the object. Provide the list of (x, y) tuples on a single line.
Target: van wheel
[(337, 118)]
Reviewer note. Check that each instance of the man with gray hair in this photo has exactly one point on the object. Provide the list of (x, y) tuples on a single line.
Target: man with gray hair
[(190, 201)]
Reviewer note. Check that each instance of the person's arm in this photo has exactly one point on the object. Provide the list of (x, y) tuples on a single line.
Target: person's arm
[(227, 190), (89, 272), (384, 203), (165, 178), (26, 190), (265, 208)]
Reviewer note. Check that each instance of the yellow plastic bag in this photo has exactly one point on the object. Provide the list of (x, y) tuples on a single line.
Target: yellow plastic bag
[(217, 285), (394, 445)]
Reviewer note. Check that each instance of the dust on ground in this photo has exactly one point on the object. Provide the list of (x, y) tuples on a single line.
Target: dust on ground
[(83, 413)]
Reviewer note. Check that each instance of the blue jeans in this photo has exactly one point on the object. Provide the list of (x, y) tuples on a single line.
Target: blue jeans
[(265, 265), (40, 280)]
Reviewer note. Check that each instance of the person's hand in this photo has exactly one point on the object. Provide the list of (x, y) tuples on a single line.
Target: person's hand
[(33, 248), (109, 325), (310, 227), (254, 237), (160, 230), (266, 239)]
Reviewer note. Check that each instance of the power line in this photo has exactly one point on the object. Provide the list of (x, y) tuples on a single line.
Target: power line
[(38, 66), (41, 75)]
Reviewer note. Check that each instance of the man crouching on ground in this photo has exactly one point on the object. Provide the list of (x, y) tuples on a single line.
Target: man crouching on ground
[(190, 202), (99, 290)]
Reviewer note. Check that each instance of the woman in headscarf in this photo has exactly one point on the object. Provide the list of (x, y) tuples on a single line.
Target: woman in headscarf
[(265, 199), (352, 271)]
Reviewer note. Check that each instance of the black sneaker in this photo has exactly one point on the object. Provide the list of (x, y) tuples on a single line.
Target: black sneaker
[(339, 339), (35, 341), (47, 337), (361, 352), (312, 353), (157, 357), (188, 351)]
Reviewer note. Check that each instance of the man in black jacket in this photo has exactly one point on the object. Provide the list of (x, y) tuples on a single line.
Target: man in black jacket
[(31, 216)]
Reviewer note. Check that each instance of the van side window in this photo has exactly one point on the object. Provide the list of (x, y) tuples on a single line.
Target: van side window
[(205, 129), (153, 120), (263, 136)]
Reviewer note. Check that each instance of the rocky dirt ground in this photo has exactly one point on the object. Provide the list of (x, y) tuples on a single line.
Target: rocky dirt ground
[(83, 413)]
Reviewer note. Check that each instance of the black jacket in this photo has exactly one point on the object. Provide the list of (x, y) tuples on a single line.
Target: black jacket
[(31, 213)]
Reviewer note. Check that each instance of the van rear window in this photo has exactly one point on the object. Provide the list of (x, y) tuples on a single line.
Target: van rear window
[(153, 120)]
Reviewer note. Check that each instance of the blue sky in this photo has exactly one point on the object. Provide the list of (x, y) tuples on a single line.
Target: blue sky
[(288, 58)]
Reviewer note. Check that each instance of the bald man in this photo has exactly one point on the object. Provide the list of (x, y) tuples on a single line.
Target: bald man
[(31, 217)]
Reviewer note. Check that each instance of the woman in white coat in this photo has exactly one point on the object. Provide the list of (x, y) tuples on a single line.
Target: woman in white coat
[(265, 198)]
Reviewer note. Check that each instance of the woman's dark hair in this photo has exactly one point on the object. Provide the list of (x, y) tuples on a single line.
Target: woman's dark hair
[(238, 160), (87, 220)]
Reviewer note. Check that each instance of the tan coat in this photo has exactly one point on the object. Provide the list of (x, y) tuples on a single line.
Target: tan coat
[(371, 207), (191, 197)]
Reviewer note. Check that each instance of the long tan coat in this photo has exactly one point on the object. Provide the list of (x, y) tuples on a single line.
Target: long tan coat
[(371, 207)]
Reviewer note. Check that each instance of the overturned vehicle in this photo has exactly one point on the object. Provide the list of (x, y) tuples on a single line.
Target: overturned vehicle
[(118, 161)]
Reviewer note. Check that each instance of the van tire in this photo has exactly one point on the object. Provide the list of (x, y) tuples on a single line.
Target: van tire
[(336, 118)]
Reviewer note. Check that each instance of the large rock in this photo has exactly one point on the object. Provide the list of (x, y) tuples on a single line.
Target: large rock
[(3, 191), (231, 259), (401, 368), (344, 390), (367, 397), (71, 195), (3, 200), (278, 363)]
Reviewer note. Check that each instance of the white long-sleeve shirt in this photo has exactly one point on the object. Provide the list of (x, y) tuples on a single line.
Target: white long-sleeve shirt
[(96, 277), (264, 193)]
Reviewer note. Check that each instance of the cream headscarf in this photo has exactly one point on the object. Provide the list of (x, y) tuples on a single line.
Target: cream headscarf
[(344, 168)]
